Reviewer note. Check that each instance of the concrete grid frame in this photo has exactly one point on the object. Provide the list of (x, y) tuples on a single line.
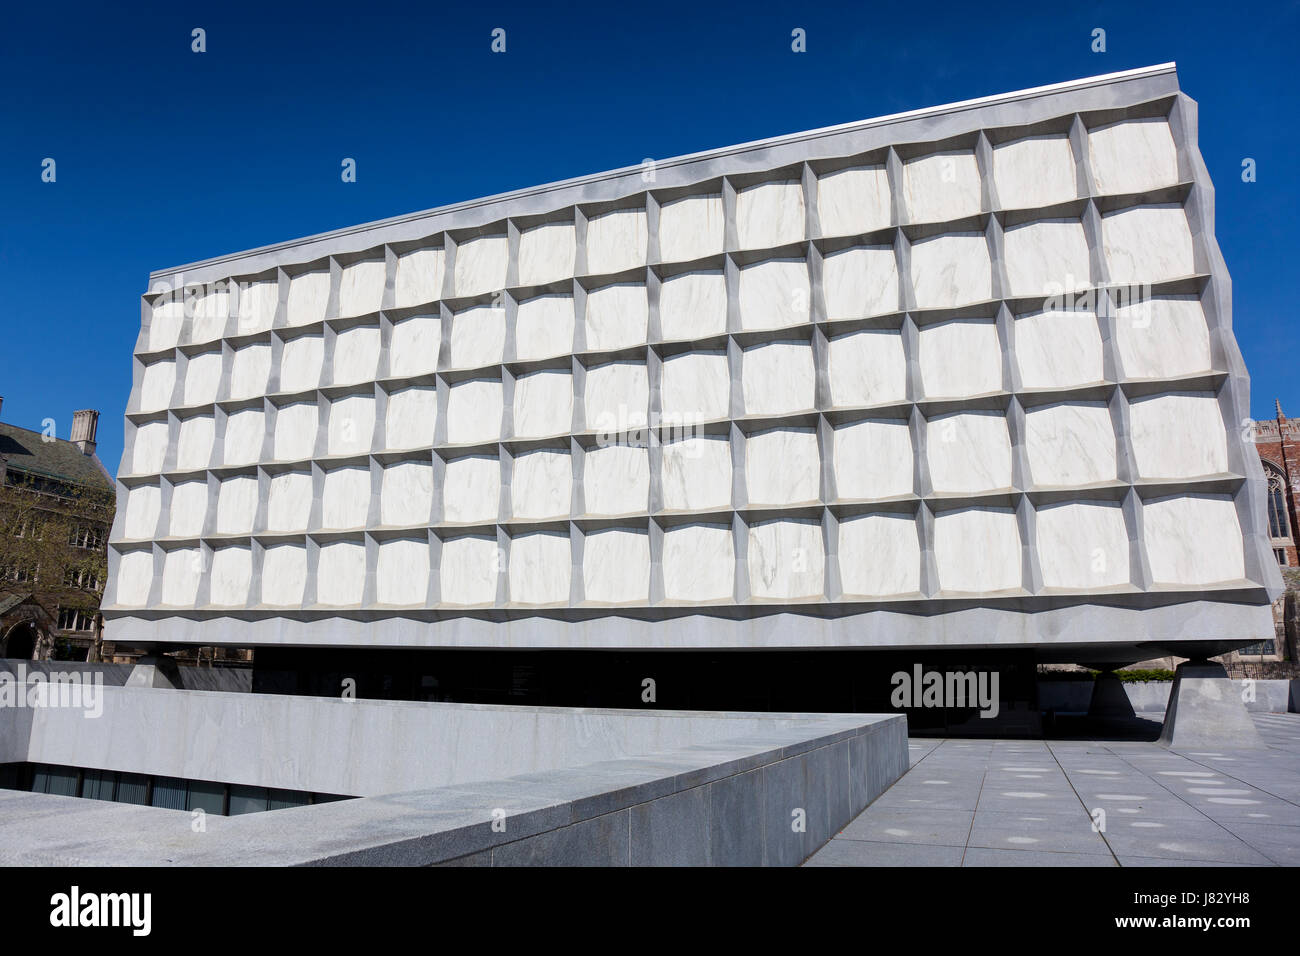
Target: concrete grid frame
[(342, 440)]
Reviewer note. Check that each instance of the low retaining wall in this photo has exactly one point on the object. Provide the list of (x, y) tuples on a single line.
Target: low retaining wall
[(1270, 696), (472, 784), (231, 679)]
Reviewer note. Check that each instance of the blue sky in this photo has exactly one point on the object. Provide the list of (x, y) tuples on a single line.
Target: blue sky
[(165, 156)]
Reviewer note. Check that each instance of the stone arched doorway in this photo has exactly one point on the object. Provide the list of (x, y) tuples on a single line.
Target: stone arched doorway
[(20, 641)]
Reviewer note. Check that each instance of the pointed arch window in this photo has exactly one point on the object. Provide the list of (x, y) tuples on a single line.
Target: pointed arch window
[(1277, 520)]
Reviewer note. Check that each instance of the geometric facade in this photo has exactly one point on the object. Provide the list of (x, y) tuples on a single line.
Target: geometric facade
[(964, 376)]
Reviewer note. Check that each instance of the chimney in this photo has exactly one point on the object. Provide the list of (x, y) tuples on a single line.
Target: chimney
[(84, 425)]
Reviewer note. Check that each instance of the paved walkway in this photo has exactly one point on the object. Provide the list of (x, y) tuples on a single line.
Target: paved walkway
[(1031, 803)]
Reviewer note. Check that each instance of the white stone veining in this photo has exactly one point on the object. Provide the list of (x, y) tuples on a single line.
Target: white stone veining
[(474, 409), (696, 386), (288, 506), (616, 480), (295, 431), (778, 378), (469, 569), (861, 281), (151, 447), (1178, 436), (693, 305), (617, 316), (202, 378), (1193, 541), (414, 346), (182, 568), (250, 370), (194, 446), (356, 355), (699, 563), (189, 509), (951, 270), (1163, 337), (345, 498), (1146, 244), (544, 327), (308, 295), (616, 566), (541, 567), (301, 362), (879, 555), (257, 305), (786, 559), (867, 368), (406, 494), (782, 467), (478, 336), (245, 435), (351, 425), (616, 241), (157, 385), (977, 550), (1046, 258), (1070, 444), (543, 404), (232, 576), (236, 504), (402, 572), (616, 397), (942, 186), (1133, 156), (419, 277), (691, 229), (873, 460), (341, 573), (1034, 171), (968, 452), (546, 253), (1082, 545), (542, 484), (1058, 349), (481, 265), (411, 417), (774, 294), (959, 358), (853, 201), (471, 490), (696, 474), (143, 505), (361, 287), (770, 214)]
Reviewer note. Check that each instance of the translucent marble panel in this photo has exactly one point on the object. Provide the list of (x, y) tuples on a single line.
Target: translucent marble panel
[(1178, 436), (250, 370), (284, 575), (356, 355), (778, 377), (414, 346), (616, 480), (969, 452), (472, 489), (617, 316), (873, 459), (774, 294), (1070, 444), (288, 506), (231, 577), (351, 425), (194, 444), (361, 287), (481, 265), (860, 281), (879, 555), (542, 484), (852, 201), (309, 293), (1046, 258), (301, 362), (699, 563), (1034, 171), (345, 498), (616, 397), (474, 411), (295, 431), (468, 570), (237, 502), (1163, 338), (696, 474), (540, 569), (419, 277), (411, 417), (543, 404), (143, 505), (770, 214), (693, 305), (1058, 349), (202, 378), (1133, 156), (941, 187), (691, 228), (960, 358), (165, 323), (949, 271), (867, 368), (157, 385), (786, 560), (1082, 545), (257, 304), (341, 573), (616, 566), (402, 572), (546, 253), (406, 497), (150, 448), (616, 241), (782, 467), (977, 550), (134, 578), (182, 569), (1147, 244), (478, 336), (189, 509), (1193, 541), (211, 309), (544, 327), (695, 387)]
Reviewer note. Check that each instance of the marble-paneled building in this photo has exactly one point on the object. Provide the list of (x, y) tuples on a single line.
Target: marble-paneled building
[(962, 377)]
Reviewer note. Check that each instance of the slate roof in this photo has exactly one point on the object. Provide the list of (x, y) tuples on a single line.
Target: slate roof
[(28, 451)]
